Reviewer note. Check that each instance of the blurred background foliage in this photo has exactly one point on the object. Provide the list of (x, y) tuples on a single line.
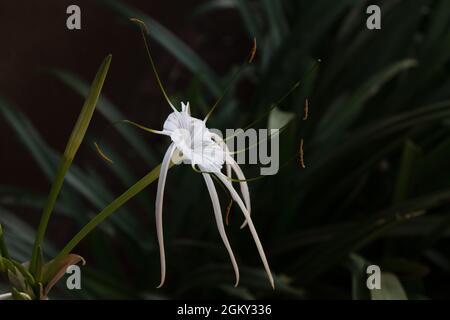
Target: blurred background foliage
[(375, 190)]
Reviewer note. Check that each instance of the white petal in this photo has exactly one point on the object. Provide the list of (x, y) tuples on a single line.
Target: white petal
[(158, 209), (236, 198), (219, 221), (230, 162), (185, 108), (228, 171), (243, 184)]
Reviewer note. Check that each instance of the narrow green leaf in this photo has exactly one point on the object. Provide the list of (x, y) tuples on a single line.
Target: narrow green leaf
[(337, 119), (411, 153), (20, 236), (250, 18), (391, 288), (91, 189), (277, 20), (17, 295), (358, 267), (39, 264), (439, 23), (110, 111), (28, 135), (353, 239), (74, 143), (213, 5), (3, 249), (172, 43)]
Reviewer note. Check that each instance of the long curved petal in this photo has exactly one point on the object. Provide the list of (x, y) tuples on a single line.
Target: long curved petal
[(239, 201), (158, 209), (243, 184), (219, 221), (232, 164)]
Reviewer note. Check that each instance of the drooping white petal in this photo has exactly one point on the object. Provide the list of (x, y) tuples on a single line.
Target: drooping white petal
[(219, 221), (158, 209), (239, 201), (243, 184), (231, 163)]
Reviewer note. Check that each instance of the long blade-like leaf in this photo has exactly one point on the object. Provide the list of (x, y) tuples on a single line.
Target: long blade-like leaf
[(72, 147), (174, 45)]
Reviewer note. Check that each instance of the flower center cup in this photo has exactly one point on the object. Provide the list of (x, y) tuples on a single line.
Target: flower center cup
[(194, 140)]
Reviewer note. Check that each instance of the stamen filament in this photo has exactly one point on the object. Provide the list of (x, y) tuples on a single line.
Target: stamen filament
[(102, 154), (302, 160), (145, 32), (142, 127), (306, 110)]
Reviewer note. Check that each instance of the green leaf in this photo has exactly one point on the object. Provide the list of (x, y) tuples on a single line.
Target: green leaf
[(173, 44), (20, 236), (277, 20), (358, 267), (411, 154), (3, 249), (250, 18), (213, 5), (352, 239), (110, 112), (17, 295), (27, 134), (337, 119), (391, 288), (18, 276), (24, 198), (251, 278), (90, 188), (72, 146)]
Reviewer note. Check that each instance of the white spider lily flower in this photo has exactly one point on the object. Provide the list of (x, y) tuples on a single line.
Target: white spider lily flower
[(200, 147), (196, 144)]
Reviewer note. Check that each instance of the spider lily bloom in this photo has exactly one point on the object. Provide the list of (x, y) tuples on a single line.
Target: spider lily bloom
[(194, 143)]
